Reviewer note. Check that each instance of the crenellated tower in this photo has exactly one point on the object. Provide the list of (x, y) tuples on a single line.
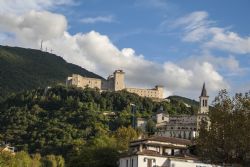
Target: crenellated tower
[(119, 80)]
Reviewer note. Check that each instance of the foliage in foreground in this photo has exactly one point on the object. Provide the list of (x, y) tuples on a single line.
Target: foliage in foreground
[(228, 138), (23, 159)]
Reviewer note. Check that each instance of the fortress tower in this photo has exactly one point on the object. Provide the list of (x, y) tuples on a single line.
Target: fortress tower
[(119, 80)]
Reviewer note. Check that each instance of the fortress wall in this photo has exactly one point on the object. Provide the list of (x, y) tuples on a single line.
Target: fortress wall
[(114, 82), (82, 82), (152, 93)]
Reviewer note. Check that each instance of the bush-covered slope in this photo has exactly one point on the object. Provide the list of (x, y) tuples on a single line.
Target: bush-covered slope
[(24, 69), (50, 122), (184, 100)]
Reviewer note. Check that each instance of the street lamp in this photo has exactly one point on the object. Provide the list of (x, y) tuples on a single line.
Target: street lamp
[(133, 110)]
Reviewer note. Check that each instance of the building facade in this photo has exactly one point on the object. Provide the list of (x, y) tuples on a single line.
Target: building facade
[(180, 126), (114, 82), (159, 151)]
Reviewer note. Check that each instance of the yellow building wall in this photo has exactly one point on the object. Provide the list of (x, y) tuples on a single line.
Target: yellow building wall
[(152, 93), (114, 82), (82, 82)]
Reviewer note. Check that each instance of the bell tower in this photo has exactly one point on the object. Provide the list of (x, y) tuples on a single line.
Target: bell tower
[(202, 114), (204, 107)]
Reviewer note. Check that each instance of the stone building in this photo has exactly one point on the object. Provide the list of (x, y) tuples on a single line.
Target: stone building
[(181, 126), (156, 92), (114, 82)]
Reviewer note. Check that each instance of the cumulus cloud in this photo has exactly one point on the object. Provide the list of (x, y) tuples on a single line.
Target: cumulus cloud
[(98, 19), (229, 64), (199, 28), (33, 26), (17, 6), (97, 53), (228, 41)]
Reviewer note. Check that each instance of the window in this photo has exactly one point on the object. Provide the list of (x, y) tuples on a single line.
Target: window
[(149, 163), (162, 118), (172, 152)]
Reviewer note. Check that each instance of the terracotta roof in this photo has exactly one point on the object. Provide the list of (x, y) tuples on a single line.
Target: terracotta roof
[(166, 139)]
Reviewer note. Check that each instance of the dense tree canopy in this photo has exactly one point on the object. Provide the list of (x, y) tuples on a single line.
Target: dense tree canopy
[(228, 138), (61, 120)]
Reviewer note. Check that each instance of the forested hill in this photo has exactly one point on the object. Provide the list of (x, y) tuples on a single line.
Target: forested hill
[(23, 69), (50, 121), (184, 100)]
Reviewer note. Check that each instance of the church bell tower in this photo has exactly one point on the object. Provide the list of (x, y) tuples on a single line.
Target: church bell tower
[(204, 107), (202, 114)]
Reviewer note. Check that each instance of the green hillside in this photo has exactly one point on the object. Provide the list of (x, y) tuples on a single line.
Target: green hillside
[(184, 100), (23, 69), (31, 115)]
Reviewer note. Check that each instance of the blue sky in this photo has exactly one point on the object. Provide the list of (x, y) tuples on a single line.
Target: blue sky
[(179, 44)]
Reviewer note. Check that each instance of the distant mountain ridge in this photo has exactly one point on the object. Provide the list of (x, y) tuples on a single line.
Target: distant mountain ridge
[(24, 69)]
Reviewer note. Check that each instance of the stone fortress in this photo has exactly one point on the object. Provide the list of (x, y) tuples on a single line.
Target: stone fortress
[(180, 126), (114, 82)]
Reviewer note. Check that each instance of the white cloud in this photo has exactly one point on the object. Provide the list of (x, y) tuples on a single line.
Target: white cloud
[(228, 64), (98, 19), (97, 53), (33, 26), (198, 28), (195, 26), (228, 41), (18, 6)]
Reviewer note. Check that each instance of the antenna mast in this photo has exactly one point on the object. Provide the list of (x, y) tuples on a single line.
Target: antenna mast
[(41, 45)]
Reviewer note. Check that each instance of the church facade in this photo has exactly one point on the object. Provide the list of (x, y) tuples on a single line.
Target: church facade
[(181, 126)]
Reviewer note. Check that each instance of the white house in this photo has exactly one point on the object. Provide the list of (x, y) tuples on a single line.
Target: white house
[(160, 151)]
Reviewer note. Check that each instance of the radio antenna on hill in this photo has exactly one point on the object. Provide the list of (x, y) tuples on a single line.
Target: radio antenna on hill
[(41, 45)]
